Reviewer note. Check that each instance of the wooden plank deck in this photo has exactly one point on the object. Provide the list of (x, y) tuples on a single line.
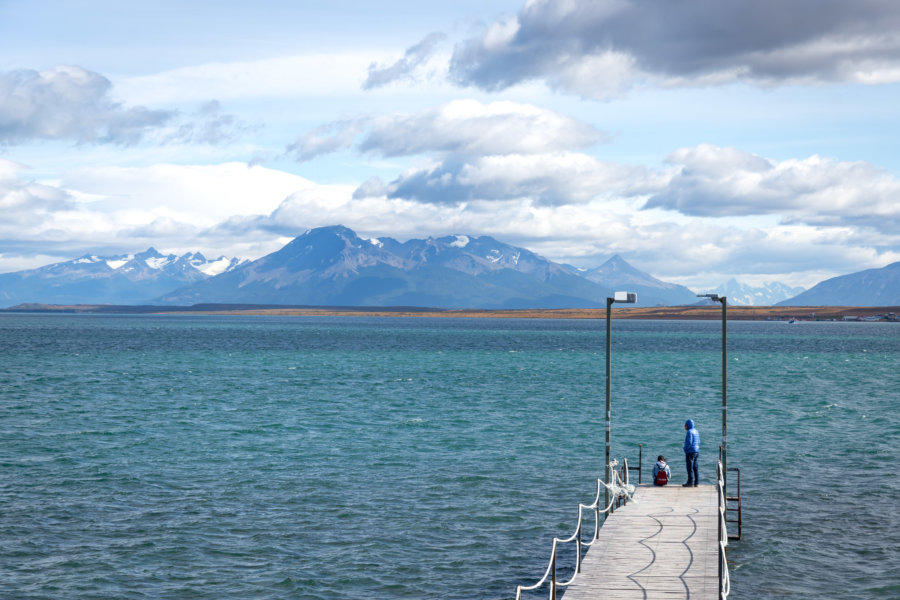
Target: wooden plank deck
[(664, 545)]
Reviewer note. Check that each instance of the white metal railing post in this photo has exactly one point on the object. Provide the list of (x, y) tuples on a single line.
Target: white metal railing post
[(553, 580), (550, 575), (578, 553)]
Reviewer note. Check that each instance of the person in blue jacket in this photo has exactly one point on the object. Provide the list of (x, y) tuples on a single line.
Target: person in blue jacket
[(692, 453)]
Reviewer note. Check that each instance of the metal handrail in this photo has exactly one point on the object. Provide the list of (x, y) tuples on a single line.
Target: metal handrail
[(576, 536), (724, 579)]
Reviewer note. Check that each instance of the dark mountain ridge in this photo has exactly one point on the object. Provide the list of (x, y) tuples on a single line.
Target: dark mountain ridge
[(650, 291), (872, 287), (334, 266)]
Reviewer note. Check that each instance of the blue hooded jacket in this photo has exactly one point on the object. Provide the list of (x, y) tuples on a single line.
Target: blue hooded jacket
[(692, 439)]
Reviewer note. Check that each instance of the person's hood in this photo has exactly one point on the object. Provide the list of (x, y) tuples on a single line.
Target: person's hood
[(689, 423), (661, 463)]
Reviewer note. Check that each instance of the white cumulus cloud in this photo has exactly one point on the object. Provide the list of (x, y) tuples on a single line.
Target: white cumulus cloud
[(464, 127), (119, 209), (723, 182), (69, 103), (555, 179)]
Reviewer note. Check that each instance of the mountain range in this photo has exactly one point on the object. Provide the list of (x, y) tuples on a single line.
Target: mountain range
[(118, 279), (650, 291), (767, 294), (333, 266), (872, 287)]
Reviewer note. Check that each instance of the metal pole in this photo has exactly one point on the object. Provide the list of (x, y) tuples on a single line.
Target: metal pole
[(640, 463), (553, 579), (724, 398), (606, 468)]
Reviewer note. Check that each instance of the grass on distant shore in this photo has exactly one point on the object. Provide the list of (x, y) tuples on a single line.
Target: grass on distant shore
[(737, 313), (747, 313)]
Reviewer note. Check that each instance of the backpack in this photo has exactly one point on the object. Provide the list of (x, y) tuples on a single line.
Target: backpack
[(662, 478)]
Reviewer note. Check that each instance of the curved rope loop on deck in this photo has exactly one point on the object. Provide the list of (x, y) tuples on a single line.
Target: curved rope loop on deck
[(619, 489)]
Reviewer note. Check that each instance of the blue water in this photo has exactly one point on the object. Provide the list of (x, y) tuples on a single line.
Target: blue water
[(346, 458)]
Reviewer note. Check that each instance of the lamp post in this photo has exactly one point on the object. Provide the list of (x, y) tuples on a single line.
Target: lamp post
[(718, 298), (627, 298)]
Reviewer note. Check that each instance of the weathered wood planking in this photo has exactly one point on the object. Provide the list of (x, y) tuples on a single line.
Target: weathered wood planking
[(663, 545)]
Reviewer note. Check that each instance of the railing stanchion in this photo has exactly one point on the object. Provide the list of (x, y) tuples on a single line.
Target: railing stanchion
[(620, 491), (553, 581), (618, 480)]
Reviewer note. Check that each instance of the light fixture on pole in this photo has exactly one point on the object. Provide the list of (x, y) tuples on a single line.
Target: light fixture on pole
[(722, 299), (627, 298)]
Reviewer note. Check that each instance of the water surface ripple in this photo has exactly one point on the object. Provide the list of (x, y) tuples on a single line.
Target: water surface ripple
[(344, 458)]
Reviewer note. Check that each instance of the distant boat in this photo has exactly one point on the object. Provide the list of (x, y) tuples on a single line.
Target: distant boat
[(792, 321)]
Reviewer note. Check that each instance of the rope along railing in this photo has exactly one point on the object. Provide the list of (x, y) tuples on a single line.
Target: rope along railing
[(724, 580), (620, 491)]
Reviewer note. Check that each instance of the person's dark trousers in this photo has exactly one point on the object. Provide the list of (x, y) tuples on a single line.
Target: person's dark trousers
[(692, 458)]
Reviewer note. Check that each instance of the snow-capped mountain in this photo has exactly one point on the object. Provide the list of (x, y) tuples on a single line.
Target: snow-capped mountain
[(332, 266), (474, 256), (767, 294), (117, 279), (193, 265)]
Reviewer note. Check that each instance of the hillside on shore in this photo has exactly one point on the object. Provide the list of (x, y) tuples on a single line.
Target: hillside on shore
[(734, 313)]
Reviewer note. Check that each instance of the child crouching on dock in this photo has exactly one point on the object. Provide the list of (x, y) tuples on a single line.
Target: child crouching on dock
[(661, 472)]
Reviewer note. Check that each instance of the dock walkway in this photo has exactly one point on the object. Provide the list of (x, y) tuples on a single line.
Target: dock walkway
[(664, 544)]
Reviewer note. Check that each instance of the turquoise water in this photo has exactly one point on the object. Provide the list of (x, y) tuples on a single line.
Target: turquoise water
[(231, 457)]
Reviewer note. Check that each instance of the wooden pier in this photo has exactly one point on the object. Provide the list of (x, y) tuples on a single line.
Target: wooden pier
[(664, 544)]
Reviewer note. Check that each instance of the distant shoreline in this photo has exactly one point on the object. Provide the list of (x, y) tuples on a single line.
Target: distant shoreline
[(714, 312)]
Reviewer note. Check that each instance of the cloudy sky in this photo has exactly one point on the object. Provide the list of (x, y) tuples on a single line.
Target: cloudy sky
[(701, 140)]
